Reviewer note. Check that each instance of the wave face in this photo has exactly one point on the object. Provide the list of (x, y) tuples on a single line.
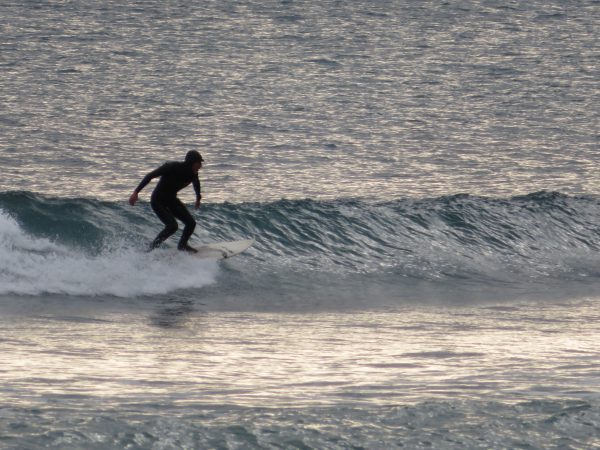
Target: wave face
[(90, 247)]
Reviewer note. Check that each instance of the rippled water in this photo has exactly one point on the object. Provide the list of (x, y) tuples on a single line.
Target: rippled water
[(174, 350), (382, 312), (167, 373), (302, 99)]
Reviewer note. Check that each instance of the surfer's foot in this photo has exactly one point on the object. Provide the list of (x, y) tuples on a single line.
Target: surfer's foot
[(155, 244), (186, 248)]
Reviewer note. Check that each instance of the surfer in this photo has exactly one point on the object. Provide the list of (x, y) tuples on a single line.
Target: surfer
[(174, 176)]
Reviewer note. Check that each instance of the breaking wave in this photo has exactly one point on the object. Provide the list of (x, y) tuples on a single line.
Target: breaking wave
[(90, 247)]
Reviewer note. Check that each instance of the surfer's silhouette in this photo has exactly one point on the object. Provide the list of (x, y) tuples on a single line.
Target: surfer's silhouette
[(174, 176)]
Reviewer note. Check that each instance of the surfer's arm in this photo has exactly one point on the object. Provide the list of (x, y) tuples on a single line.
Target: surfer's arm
[(196, 184), (149, 177), (154, 174)]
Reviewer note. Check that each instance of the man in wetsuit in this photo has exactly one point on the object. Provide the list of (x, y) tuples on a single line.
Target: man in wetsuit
[(174, 176)]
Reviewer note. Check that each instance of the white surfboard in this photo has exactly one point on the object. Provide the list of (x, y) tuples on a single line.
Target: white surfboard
[(223, 250)]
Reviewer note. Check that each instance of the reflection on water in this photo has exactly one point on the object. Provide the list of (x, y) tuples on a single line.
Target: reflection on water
[(429, 98), (175, 351), (173, 313)]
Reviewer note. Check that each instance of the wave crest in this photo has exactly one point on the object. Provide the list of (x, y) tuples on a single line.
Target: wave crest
[(460, 237)]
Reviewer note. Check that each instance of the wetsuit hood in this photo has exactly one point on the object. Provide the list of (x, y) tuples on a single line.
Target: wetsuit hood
[(193, 157)]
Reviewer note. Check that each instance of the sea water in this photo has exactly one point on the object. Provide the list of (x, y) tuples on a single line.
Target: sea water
[(421, 181)]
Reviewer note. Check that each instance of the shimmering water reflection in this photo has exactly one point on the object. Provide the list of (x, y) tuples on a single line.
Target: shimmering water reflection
[(175, 352), (302, 99)]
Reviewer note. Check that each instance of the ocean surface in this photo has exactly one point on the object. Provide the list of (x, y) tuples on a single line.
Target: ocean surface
[(422, 182)]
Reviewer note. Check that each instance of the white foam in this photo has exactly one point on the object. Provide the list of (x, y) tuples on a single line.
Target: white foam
[(31, 266)]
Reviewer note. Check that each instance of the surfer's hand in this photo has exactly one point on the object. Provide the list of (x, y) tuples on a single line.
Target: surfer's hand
[(133, 198), (197, 205)]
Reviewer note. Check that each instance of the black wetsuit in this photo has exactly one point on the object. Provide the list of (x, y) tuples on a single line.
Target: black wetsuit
[(174, 176)]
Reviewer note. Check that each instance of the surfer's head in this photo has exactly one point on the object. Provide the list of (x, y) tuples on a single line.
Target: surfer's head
[(194, 159), (193, 156)]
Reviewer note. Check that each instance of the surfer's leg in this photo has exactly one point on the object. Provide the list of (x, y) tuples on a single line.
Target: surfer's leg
[(182, 213), (166, 216)]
